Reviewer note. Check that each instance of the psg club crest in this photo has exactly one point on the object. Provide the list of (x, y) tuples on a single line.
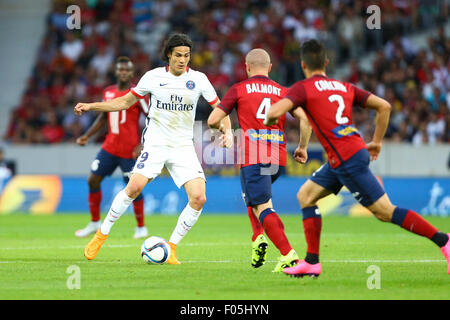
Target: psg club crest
[(140, 165), (190, 85)]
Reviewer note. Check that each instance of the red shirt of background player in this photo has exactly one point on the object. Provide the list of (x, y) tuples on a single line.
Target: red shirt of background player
[(124, 133), (251, 108), (325, 108)]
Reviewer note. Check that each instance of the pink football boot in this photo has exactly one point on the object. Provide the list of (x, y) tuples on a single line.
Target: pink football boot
[(446, 252), (303, 268)]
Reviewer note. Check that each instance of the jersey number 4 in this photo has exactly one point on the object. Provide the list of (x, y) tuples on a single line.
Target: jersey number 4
[(341, 106), (263, 108), (114, 120)]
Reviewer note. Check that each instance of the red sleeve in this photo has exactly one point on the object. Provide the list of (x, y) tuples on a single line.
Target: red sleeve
[(229, 101), (360, 96), (297, 94), (103, 94)]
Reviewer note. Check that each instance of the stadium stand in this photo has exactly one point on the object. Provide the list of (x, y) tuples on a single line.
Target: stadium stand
[(72, 66)]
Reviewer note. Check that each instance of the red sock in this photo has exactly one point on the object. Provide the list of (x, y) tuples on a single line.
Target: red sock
[(138, 206), (275, 230), (256, 225), (312, 228), (418, 225), (94, 199)]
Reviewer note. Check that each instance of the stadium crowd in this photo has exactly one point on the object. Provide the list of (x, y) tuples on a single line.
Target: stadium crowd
[(76, 65)]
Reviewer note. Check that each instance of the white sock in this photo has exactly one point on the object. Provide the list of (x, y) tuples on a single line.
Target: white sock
[(119, 205), (186, 221)]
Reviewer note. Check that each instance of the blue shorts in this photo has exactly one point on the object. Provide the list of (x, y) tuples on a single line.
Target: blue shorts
[(105, 163), (355, 175), (256, 182)]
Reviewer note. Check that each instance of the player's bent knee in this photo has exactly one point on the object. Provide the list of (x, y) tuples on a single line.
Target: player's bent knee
[(382, 216), (263, 206), (94, 182), (382, 209), (305, 198), (133, 190), (197, 201)]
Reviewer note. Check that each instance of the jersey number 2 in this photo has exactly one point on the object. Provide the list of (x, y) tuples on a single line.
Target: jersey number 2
[(114, 120), (263, 108), (341, 106)]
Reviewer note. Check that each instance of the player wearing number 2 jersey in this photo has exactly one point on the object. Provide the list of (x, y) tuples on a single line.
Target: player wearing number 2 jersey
[(328, 105), (263, 153), (120, 148), (167, 138)]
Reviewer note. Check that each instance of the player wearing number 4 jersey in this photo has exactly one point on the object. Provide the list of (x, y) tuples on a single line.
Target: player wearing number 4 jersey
[(328, 105), (167, 138), (263, 153), (120, 148)]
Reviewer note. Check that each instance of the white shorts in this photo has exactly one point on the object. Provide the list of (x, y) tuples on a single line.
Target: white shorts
[(181, 162)]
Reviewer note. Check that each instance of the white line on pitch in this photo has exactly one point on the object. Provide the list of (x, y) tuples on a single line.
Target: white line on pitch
[(119, 246), (245, 261)]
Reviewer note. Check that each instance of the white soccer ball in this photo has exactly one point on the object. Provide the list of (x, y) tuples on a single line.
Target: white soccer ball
[(155, 250)]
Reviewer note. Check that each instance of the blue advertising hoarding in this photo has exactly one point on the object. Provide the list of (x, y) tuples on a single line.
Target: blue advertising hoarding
[(54, 194)]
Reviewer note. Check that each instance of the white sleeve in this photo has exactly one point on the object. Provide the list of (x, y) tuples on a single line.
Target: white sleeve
[(144, 106), (208, 91), (143, 86)]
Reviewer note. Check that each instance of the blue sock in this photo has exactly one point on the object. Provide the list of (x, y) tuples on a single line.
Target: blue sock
[(264, 214), (311, 212), (399, 216), (139, 197)]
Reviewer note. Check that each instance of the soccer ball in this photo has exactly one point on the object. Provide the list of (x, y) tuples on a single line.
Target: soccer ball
[(155, 250)]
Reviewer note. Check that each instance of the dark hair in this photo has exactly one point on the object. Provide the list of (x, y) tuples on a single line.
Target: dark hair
[(176, 40), (313, 53), (123, 59)]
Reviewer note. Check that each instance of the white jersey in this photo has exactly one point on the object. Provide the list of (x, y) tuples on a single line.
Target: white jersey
[(174, 99)]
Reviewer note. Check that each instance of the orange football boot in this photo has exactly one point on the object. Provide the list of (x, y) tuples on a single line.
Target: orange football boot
[(93, 247), (173, 254)]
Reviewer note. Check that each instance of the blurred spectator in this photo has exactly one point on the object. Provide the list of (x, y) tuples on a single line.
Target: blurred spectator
[(421, 136), (350, 32), (7, 167), (102, 60), (7, 170), (72, 47), (435, 128), (52, 131)]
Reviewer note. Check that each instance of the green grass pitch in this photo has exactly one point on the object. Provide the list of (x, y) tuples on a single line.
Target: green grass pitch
[(36, 253)]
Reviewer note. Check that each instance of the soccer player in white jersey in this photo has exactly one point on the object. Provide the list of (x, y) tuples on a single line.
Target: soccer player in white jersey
[(167, 138)]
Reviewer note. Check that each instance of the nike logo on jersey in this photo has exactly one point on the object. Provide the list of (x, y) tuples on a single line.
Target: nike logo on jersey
[(162, 84)]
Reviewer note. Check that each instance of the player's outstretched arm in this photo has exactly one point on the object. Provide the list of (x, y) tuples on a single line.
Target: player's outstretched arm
[(99, 122), (383, 109), (218, 119), (301, 153), (277, 110), (117, 104), (216, 116)]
